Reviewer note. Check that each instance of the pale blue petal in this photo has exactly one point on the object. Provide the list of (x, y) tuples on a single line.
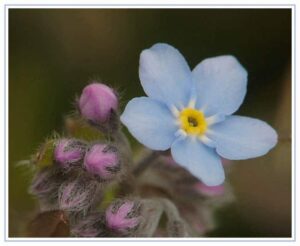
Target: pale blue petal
[(221, 85), (165, 75), (239, 137), (150, 122), (202, 161)]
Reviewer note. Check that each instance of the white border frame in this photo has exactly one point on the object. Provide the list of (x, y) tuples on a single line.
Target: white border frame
[(19, 5)]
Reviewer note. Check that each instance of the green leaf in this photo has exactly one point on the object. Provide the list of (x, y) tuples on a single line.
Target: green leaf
[(78, 128)]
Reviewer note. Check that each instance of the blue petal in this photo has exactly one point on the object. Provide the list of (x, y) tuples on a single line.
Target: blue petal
[(150, 122), (165, 75), (202, 161), (221, 85), (239, 138)]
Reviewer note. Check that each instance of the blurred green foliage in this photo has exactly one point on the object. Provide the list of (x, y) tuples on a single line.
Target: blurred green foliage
[(53, 53)]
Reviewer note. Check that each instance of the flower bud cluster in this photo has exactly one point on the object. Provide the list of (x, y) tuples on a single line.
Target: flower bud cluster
[(75, 170), (101, 160), (79, 172)]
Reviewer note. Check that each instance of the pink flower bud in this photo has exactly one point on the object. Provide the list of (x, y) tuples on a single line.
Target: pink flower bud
[(210, 191), (123, 217), (97, 102), (68, 152), (102, 160)]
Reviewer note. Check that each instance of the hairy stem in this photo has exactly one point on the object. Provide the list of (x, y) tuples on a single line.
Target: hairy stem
[(123, 144), (175, 226), (145, 163), (121, 141)]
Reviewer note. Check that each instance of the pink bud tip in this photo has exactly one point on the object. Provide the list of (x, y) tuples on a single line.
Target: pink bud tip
[(122, 219), (96, 102), (68, 151), (209, 190), (102, 160)]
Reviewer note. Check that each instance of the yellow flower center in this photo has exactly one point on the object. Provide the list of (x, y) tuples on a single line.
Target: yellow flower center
[(193, 121)]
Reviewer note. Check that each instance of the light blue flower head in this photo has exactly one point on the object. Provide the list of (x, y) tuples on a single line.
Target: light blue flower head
[(190, 112)]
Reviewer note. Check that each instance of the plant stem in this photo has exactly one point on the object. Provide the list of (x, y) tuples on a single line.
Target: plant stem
[(145, 163)]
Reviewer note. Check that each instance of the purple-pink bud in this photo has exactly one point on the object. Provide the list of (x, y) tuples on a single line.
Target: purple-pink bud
[(123, 217), (97, 102), (68, 152), (102, 160), (210, 191)]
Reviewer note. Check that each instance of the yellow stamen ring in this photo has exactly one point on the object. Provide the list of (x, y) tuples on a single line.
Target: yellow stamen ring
[(192, 121)]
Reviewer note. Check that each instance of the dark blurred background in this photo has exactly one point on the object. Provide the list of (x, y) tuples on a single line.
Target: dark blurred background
[(53, 53)]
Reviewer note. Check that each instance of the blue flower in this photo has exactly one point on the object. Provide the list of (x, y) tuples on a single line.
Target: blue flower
[(191, 112)]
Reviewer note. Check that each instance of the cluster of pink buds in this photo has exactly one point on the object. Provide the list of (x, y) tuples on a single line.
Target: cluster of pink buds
[(73, 171)]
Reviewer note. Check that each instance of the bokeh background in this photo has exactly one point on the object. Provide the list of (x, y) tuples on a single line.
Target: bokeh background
[(53, 53)]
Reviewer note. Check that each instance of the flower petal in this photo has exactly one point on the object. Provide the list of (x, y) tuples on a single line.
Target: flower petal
[(221, 85), (150, 122), (239, 137), (165, 75), (202, 161)]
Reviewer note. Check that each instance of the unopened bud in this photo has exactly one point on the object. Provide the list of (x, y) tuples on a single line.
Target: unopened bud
[(102, 160), (68, 152), (123, 217), (97, 102), (78, 194)]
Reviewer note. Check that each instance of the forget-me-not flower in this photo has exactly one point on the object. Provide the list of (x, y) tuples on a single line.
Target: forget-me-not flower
[(191, 112)]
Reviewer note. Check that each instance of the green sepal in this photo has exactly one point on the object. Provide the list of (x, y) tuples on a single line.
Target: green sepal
[(110, 194), (80, 129), (44, 157)]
